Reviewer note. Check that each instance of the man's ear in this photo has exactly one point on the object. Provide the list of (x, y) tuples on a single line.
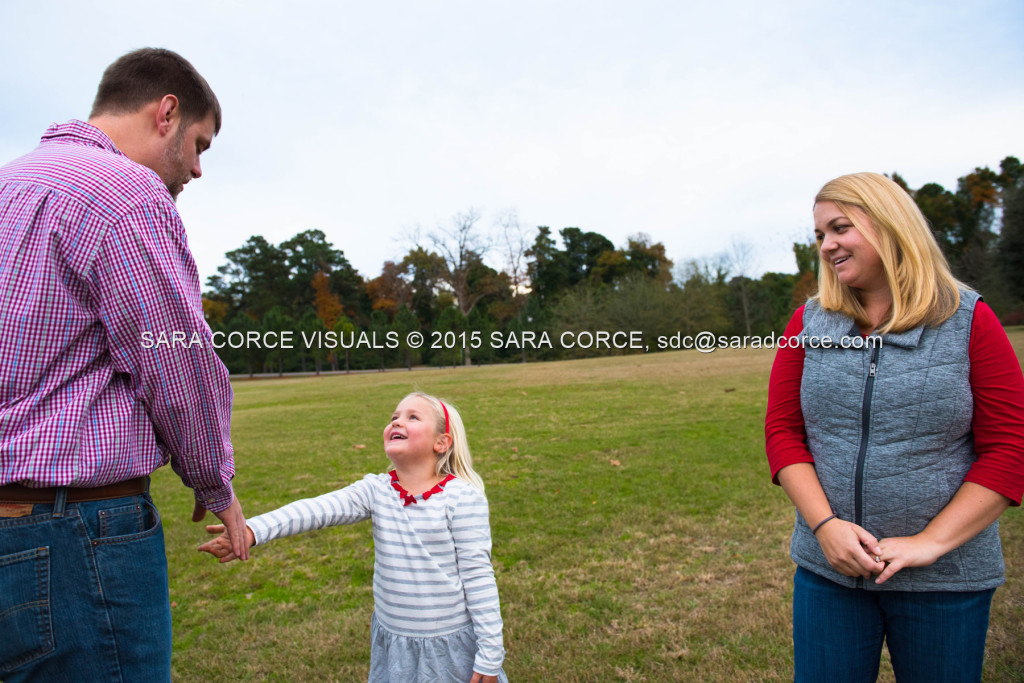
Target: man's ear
[(167, 114)]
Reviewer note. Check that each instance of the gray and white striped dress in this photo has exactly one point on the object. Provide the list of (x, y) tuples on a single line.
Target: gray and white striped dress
[(436, 613)]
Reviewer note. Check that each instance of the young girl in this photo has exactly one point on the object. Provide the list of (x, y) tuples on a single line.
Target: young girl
[(436, 614)]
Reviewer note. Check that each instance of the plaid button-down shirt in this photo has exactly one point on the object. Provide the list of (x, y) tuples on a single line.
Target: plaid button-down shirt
[(107, 369)]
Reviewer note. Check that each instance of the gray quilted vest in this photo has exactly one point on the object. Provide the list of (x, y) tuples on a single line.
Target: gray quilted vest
[(890, 431)]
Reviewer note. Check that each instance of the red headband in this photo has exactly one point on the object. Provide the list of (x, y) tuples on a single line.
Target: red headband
[(445, 415)]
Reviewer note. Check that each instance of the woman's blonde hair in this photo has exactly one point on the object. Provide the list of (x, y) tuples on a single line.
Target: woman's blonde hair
[(456, 459), (924, 290)]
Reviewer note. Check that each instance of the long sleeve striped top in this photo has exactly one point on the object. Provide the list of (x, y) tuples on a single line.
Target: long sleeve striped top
[(432, 572)]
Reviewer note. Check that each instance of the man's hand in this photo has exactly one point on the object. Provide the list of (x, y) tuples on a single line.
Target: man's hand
[(220, 547), (480, 678), (237, 532)]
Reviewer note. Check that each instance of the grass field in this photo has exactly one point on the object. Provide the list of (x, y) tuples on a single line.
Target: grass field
[(637, 536)]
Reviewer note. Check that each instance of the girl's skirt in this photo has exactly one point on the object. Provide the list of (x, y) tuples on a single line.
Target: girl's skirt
[(396, 658)]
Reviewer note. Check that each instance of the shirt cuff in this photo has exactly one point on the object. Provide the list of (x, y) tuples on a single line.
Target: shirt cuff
[(486, 669), (216, 500), (260, 529)]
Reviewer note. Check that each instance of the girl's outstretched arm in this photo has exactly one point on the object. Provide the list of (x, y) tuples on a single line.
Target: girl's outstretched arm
[(345, 506)]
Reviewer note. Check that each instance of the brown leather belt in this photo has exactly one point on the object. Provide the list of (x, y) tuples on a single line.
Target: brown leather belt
[(16, 493)]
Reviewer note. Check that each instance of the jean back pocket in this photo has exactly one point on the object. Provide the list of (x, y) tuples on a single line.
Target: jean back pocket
[(27, 633)]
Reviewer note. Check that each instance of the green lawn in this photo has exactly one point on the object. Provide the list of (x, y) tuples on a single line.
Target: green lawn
[(637, 536)]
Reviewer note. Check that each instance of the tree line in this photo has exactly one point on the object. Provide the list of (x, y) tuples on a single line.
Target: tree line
[(574, 283)]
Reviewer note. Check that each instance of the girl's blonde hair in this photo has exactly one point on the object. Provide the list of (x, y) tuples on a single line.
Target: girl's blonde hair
[(924, 290), (456, 460)]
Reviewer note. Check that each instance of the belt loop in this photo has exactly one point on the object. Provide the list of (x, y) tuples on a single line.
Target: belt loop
[(60, 502)]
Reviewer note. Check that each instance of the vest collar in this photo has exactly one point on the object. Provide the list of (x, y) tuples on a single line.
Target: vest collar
[(821, 323)]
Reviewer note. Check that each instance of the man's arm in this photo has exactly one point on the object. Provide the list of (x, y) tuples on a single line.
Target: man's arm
[(146, 291)]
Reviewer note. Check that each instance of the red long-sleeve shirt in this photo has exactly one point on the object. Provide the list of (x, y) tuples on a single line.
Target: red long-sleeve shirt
[(998, 424)]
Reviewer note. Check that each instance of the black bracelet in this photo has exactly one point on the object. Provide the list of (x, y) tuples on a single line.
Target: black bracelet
[(827, 519)]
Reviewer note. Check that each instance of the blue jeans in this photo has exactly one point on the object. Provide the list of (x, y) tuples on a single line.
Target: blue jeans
[(83, 592), (934, 636)]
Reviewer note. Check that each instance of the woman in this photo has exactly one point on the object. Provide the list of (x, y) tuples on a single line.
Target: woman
[(898, 456)]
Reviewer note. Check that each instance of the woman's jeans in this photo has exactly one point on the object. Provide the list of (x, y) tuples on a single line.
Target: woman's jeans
[(83, 592), (933, 637)]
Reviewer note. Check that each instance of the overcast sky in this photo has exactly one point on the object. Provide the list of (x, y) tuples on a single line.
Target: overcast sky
[(696, 123)]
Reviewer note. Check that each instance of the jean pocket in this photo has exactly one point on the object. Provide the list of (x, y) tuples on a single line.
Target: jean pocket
[(127, 523), (121, 521), (24, 608)]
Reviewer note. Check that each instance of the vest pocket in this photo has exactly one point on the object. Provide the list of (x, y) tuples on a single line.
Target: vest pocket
[(25, 624)]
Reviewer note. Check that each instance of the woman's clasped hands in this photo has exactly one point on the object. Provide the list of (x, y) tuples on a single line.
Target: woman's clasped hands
[(853, 551)]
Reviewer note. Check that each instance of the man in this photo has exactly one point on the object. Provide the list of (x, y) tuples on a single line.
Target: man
[(107, 371)]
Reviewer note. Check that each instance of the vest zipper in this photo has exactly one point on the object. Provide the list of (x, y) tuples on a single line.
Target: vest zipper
[(865, 429)]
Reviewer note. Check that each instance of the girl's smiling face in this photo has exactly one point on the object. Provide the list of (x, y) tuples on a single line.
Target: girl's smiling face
[(412, 430)]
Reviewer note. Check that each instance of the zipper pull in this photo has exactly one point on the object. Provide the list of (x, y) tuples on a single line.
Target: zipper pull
[(871, 372)]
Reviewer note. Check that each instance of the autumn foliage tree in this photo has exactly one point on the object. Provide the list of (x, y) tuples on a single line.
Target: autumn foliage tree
[(328, 305), (389, 291)]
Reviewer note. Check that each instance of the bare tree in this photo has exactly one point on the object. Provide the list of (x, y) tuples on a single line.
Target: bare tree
[(741, 262), (462, 248), (514, 245)]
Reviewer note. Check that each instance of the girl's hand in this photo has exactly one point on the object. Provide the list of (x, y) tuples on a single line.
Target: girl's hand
[(221, 546), (850, 549), (480, 678), (906, 551)]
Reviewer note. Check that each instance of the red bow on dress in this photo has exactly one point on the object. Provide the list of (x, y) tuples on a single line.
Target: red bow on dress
[(408, 497)]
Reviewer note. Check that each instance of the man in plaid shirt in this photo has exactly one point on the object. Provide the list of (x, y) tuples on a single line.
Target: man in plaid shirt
[(107, 371)]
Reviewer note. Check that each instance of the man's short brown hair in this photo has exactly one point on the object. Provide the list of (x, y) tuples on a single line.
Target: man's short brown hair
[(146, 75)]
